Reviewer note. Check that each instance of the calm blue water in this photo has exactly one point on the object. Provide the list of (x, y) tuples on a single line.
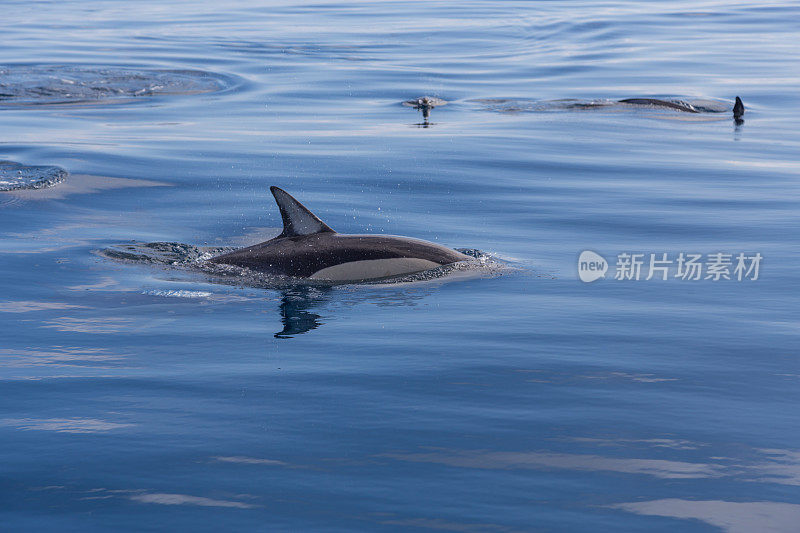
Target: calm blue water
[(138, 397)]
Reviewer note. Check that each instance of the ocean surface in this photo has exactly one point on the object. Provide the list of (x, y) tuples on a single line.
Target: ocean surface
[(143, 394)]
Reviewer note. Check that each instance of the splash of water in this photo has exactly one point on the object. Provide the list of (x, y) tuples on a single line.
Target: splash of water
[(62, 84), (15, 176)]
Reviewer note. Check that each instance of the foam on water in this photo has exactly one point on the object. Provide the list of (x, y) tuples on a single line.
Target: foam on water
[(178, 293), (70, 84), (15, 176), (162, 253)]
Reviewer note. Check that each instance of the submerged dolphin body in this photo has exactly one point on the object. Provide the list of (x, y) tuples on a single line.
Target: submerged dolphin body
[(678, 105), (308, 248)]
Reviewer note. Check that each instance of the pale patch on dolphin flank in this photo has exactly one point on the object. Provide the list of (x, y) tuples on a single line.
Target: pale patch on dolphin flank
[(373, 269)]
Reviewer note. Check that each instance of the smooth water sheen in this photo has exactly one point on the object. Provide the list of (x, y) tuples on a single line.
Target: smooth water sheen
[(141, 395)]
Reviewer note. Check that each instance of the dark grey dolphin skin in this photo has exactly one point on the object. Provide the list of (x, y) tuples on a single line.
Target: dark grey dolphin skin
[(738, 107), (308, 248), (680, 106)]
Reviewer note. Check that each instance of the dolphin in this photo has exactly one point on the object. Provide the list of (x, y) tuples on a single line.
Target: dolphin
[(738, 107), (309, 248), (425, 104)]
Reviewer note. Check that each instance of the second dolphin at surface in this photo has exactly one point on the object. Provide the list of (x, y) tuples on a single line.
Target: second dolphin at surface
[(427, 103)]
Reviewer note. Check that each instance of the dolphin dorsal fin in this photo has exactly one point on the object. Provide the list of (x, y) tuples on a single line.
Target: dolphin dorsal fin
[(297, 219), (738, 108)]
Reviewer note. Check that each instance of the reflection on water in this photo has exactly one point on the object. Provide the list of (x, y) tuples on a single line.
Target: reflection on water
[(777, 466), (60, 356), (299, 303), (731, 517), (63, 425), (91, 324), (295, 307), (186, 499), (28, 306), (81, 184), (658, 468)]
